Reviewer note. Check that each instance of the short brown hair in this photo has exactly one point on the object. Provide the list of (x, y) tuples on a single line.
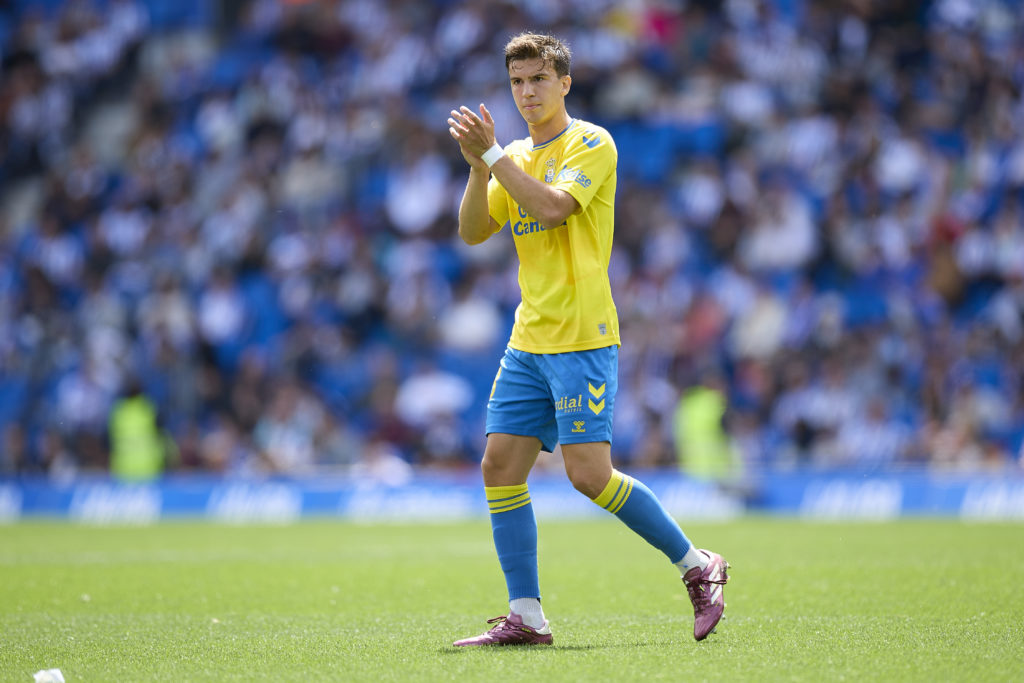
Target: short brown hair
[(539, 46)]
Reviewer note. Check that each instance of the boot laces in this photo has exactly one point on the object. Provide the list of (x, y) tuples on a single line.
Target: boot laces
[(698, 591)]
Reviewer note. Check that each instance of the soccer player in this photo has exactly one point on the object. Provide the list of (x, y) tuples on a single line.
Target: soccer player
[(557, 380)]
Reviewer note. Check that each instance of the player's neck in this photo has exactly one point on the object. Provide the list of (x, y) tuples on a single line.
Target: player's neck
[(550, 128)]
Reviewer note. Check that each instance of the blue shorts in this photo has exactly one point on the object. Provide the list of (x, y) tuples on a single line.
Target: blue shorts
[(556, 397)]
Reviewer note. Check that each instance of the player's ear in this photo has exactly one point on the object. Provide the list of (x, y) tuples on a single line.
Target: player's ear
[(566, 84)]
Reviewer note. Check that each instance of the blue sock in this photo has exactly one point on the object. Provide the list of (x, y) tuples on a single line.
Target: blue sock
[(515, 538), (640, 510)]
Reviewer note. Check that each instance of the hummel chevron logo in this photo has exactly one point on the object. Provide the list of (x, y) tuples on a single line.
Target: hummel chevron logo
[(596, 392)]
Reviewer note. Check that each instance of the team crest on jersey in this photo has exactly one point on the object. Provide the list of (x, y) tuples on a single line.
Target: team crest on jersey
[(549, 173)]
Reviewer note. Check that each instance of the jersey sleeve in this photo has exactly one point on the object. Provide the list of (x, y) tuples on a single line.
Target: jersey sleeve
[(588, 163), (497, 202)]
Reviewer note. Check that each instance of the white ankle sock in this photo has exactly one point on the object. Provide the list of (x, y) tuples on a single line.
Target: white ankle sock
[(529, 609), (692, 558)]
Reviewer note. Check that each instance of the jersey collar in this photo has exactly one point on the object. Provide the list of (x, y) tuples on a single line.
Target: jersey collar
[(572, 122)]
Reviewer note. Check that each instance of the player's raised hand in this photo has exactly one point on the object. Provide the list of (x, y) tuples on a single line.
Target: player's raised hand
[(487, 118), (475, 132), (457, 130)]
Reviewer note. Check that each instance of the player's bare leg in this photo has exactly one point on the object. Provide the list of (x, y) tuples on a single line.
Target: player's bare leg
[(508, 459), (507, 462), (589, 467)]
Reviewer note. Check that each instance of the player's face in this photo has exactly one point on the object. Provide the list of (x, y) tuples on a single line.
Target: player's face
[(537, 89)]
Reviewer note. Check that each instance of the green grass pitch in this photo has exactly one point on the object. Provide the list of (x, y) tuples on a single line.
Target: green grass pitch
[(918, 600)]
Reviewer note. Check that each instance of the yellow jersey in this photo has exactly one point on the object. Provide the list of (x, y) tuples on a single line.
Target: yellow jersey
[(563, 271)]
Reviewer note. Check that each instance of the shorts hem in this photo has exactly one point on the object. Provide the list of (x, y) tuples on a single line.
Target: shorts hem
[(547, 447), (586, 438)]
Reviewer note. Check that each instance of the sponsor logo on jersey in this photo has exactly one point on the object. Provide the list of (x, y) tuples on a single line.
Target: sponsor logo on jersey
[(527, 227), (575, 175)]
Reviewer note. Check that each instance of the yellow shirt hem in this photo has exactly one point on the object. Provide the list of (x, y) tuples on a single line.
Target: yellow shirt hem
[(566, 348)]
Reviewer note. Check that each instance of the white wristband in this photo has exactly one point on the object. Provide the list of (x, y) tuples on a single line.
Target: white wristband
[(493, 154)]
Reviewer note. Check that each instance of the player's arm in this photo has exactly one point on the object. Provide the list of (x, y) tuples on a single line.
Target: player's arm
[(475, 222), (548, 205), (475, 134)]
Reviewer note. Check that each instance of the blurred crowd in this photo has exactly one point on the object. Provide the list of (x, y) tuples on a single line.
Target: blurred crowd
[(247, 215)]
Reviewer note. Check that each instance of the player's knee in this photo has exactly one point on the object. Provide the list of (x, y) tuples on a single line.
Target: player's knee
[(488, 468), (495, 471), (587, 482)]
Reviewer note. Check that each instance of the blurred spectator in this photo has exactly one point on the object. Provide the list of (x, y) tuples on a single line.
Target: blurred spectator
[(873, 440), (138, 449), (429, 394), (782, 236), (286, 435), (703, 447), (382, 463), (472, 322), (14, 450)]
